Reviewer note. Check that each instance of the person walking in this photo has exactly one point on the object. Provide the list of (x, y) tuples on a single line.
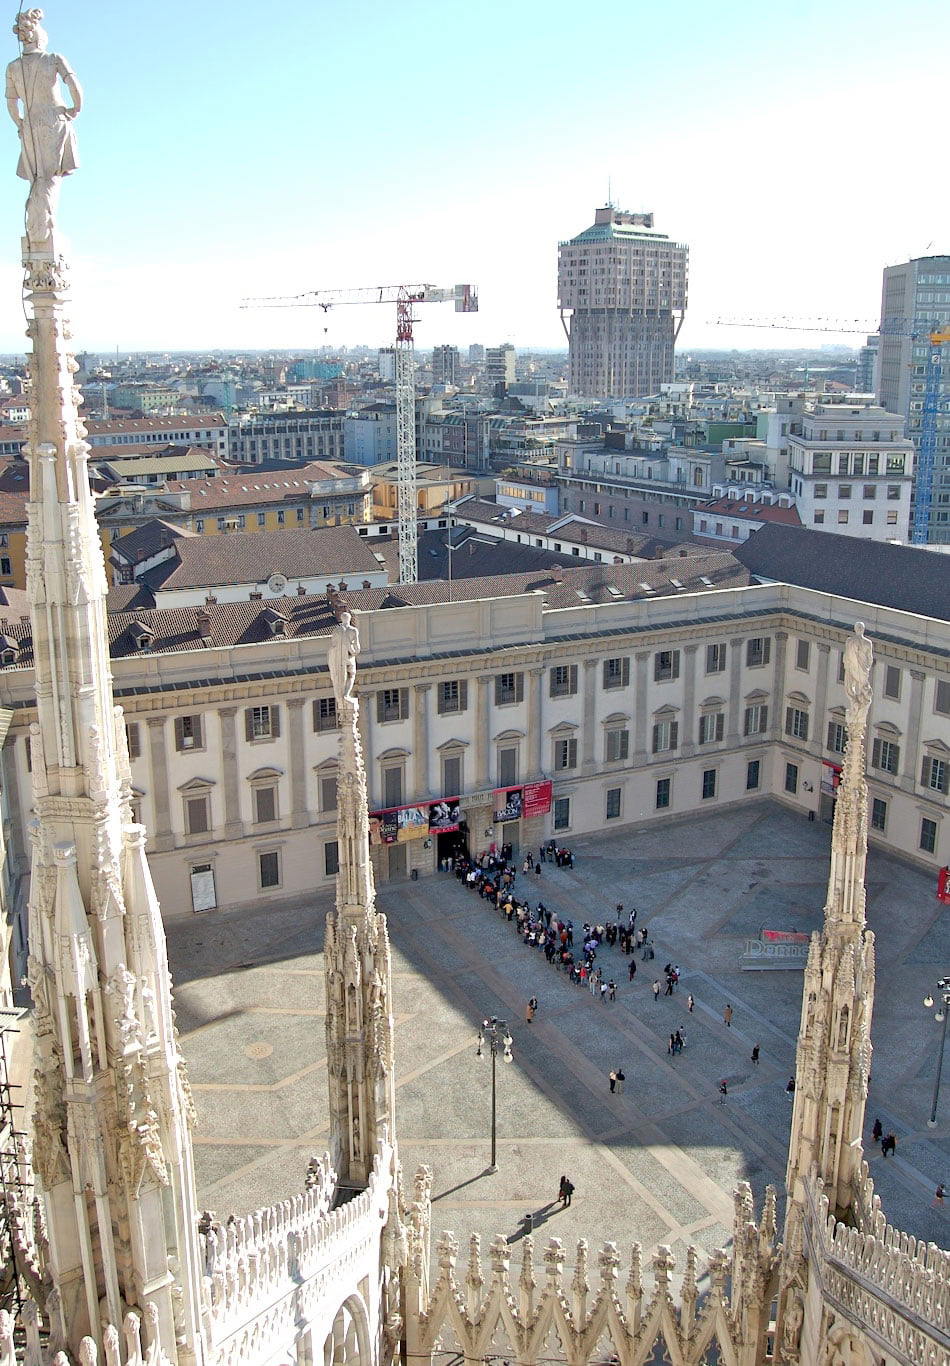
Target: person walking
[(671, 1046), (613, 1082), (621, 1078), (889, 1144), (727, 1016), (939, 1193), (755, 1055), (612, 990), (532, 1007), (877, 1133), (790, 1087), (690, 1003), (562, 1190), (632, 969), (723, 1092), (528, 1013), (604, 989), (669, 984), (656, 989), (679, 1042)]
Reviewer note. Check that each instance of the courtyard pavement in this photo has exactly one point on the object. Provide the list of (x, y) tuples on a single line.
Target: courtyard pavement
[(657, 1164)]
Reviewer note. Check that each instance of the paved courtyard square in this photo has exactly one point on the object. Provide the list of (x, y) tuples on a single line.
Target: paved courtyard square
[(656, 1164)]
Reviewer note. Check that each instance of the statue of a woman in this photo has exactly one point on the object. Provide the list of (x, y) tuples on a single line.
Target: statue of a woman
[(44, 121), (857, 667), (341, 658)]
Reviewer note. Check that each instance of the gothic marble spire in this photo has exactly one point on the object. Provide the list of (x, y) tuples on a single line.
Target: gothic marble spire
[(833, 1058), (111, 1115), (356, 951)]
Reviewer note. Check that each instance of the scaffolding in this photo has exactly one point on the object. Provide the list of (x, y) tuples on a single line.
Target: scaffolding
[(16, 1189)]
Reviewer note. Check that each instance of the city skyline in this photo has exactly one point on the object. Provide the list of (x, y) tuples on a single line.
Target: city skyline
[(238, 166)]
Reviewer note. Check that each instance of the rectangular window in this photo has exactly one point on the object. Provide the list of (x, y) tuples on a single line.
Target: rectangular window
[(451, 774), (132, 739), (935, 774), (844, 490), (837, 735), (753, 775), (196, 815), (324, 713), (757, 651), (6, 565), (509, 687), (392, 786), (666, 665), (885, 755), (756, 719), (616, 673), (843, 516), (819, 519), (928, 835), (563, 680), (716, 658), (618, 745), (870, 490), (331, 858), (262, 723), (802, 653), (892, 682), (665, 736), (507, 765), (565, 753), (796, 723), (562, 813), (942, 698), (709, 783), (392, 704), (269, 868), (711, 726), (265, 804), (188, 732), (893, 491), (328, 792), (664, 788), (262, 519), (878, 814), (453, 696), (613, 803), (821, 490), (791, 778)]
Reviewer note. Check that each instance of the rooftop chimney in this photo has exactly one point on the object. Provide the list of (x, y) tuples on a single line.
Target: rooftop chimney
[(204, 624)]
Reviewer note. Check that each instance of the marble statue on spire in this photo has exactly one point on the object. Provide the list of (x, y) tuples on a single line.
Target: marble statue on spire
[(341, 659), (44, 121)]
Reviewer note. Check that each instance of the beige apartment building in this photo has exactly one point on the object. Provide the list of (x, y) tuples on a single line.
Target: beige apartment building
[(634, 711)]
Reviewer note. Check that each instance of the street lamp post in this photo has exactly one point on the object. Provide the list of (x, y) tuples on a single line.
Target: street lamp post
[(941, 1014), (495, 1033)]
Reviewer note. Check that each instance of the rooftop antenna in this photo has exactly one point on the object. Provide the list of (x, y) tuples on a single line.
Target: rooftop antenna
[(610, 198)]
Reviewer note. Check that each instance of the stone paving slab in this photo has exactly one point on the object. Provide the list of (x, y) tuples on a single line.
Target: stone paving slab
[(657, 1164)]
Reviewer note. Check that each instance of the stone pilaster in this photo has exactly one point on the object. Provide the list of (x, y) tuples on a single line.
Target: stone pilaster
[(735, 719), (588, 716), (230, 773), (420, 741), (533, 760), (482, 738), (688, 730), (297, 749), (640, 694), (162, 836), (911, 751)]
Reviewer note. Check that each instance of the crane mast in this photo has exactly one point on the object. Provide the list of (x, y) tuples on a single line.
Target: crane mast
[(404, 297)]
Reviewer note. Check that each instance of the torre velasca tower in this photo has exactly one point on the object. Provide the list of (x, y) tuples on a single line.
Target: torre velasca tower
[(624, 286)]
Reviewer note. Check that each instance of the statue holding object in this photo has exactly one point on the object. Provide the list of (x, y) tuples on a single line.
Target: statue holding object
[(44, 121)]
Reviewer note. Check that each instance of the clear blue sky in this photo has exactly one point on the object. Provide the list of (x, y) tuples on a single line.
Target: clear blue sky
[(231, 148)]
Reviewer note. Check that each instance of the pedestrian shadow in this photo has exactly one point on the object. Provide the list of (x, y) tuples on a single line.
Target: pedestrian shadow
[(529, 1222)]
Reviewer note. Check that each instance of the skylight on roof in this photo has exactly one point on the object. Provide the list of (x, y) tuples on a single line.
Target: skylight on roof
[(707, 582), (647, 588)]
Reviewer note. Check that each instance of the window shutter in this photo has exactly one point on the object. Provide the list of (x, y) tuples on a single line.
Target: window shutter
[(656, 738), (274, 722), (573, 678), (179, 733), (766, 649), (625, 672), (765, 719), (676, 664), (876, 754), (380, 707), (249, 723), (789, 720), (403, 703), (572, 750), (196, 723), (925, 771), (519, 687), (606, 677), (720, 721), (132, 739), (674, 731), (463, 694)]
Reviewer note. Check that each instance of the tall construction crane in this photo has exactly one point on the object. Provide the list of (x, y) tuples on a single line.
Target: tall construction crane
[(405, 297), (930, 408)]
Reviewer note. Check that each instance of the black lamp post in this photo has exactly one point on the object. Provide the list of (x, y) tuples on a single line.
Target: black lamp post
[(495, 1032), (943, 1010)]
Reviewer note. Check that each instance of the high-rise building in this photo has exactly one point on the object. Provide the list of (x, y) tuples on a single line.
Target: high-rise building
[(915, 301), (387, 364), (476, 354), (624, 285), (865, 380), (445, 365), (500, 366)]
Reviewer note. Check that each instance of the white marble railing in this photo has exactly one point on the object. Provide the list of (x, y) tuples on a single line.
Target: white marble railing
[(252, 1264), (126, 1349), (899, 1284)]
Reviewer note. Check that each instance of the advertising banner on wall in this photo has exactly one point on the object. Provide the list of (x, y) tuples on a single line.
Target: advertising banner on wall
[(830, 777), (413, 823), (444, 815), (537, 799), (383, 827), (508, 804)]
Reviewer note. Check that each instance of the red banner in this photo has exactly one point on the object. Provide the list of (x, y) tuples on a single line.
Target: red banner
[(537, 799), (785, 937), (943, 886)]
